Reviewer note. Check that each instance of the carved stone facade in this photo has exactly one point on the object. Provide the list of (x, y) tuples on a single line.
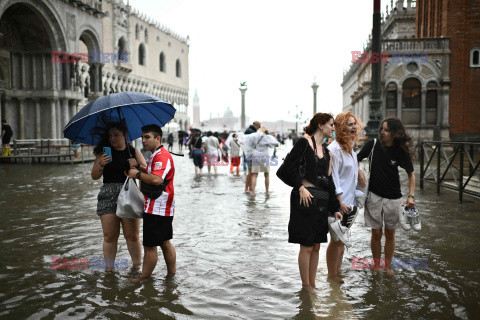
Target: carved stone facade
[(38, 96), (415, 77)]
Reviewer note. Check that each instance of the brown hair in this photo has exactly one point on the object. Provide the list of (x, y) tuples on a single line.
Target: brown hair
[(318, 118), (342, 136)]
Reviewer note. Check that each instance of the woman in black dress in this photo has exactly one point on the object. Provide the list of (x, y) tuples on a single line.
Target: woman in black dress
[(308, 224)]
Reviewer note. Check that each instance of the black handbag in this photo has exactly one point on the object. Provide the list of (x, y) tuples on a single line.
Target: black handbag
[(320, 198), (152, 191), (284, 174)]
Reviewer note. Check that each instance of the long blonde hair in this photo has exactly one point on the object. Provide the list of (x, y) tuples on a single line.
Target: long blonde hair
[(342, 135)]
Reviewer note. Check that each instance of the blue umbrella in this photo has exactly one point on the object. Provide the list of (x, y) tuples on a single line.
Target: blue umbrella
[(133, 109)]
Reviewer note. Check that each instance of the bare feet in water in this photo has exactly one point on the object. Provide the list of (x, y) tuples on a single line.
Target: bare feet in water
[(390, 272), (335, 279), (138, 280)]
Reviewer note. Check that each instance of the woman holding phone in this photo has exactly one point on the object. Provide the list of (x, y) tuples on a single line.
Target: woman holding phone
[(112, 162)]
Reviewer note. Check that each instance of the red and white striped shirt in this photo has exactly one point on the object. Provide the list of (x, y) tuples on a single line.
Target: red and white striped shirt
[(161, 164)]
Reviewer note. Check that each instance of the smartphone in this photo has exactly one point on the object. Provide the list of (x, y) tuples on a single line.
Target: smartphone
[(108, 152)]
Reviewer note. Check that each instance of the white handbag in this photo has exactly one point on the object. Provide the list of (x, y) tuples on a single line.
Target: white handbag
[(361, 194), (130, 201)]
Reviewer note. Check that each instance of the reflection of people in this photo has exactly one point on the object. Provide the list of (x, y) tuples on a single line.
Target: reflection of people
[(158, 213), (235, 153), (384, 196), (7, 134), (345, 177), (113, 170), (308, 224), (260, 143)]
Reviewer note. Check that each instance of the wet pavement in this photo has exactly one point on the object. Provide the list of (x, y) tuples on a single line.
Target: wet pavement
[(233, 258)]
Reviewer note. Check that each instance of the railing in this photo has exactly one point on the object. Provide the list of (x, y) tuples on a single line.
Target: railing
[(450, 170), (49, 147), (422, 44)]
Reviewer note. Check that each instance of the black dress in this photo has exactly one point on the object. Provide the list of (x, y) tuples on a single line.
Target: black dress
[(309, 225)]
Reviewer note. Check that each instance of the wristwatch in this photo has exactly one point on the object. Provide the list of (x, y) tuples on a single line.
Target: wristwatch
[(138, 175), (410, 196)]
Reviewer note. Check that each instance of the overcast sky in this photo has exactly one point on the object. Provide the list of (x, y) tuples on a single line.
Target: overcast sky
[(277, 47)]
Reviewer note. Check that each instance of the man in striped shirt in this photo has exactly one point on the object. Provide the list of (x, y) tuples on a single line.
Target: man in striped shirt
[(158, 212)]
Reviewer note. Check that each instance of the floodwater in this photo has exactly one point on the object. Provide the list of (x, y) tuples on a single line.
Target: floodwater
[(233, 258)]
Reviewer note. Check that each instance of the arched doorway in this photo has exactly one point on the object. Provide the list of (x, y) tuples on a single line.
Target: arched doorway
[(29, 38)]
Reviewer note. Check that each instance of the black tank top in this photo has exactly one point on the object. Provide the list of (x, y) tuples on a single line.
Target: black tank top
[(114, 171), (316, 169)]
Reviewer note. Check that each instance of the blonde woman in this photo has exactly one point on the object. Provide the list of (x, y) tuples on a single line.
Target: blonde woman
[(345, 177)]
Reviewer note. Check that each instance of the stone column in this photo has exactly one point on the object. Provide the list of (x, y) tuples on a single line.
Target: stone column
[(5, 108), (34, 73), (53, 119), (399, 104), (21, 118), (445, 106), (44, 71), (58, 119), (423, 106), (54, 76), (65, 117), (38, 123), (23, 70)]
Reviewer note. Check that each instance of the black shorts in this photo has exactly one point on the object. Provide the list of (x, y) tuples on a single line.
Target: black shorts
[(6, 139), (156, 229)]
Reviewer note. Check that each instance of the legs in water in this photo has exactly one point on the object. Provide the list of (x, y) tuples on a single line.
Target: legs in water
[(308, 263), (111, 232), (131, 232), (335, 252)]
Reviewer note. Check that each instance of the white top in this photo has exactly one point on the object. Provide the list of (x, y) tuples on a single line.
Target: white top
[(259, 146), (235, 148), (211, 145), (344, 172)]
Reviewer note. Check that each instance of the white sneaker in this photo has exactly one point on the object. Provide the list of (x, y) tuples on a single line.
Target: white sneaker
[(416, 223), (405, 218), (340, 232)]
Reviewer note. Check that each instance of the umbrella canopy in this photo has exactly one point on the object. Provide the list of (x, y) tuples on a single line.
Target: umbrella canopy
[(134, 109)]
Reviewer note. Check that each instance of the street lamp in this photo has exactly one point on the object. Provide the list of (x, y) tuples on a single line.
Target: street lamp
[(243, 89), (375, 101), (314, 88)]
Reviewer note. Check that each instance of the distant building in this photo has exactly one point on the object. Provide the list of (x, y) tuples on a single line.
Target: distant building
[(43, 80), (431, 76), (226, 123)]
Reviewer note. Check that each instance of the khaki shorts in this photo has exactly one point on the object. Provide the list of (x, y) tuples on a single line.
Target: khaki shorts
[(257, 169), (380, 210)]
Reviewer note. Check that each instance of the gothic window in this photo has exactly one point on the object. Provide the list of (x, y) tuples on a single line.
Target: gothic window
[(411, 96), (432, 88), (137, 32), (178, 69), (392, 96), (121, 47), (475, 58), (146, 36), (162, 62), (141, 54)]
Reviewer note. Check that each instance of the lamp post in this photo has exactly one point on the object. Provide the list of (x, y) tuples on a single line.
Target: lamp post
[(314, 88), (243, 89), (375, 101)]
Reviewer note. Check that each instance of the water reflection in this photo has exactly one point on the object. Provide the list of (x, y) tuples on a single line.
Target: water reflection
[(233, 258)]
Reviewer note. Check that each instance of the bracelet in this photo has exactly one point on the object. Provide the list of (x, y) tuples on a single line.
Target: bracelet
[(138, 175), (410, 196), (101, 165)]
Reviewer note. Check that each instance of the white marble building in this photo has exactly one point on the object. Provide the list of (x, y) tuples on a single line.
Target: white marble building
[(38, 96)]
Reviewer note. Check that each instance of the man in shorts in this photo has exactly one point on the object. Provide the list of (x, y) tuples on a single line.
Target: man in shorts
[(247, 154), (158, 213), (384, 200)]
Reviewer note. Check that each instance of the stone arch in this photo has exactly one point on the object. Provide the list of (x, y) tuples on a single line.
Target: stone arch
[(90, 37), (49, 18)]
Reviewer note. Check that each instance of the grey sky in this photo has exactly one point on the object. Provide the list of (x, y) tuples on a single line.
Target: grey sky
[(277, 47)]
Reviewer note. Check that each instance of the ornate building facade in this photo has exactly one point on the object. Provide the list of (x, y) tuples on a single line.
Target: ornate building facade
[(417, 83), (56, 56)]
